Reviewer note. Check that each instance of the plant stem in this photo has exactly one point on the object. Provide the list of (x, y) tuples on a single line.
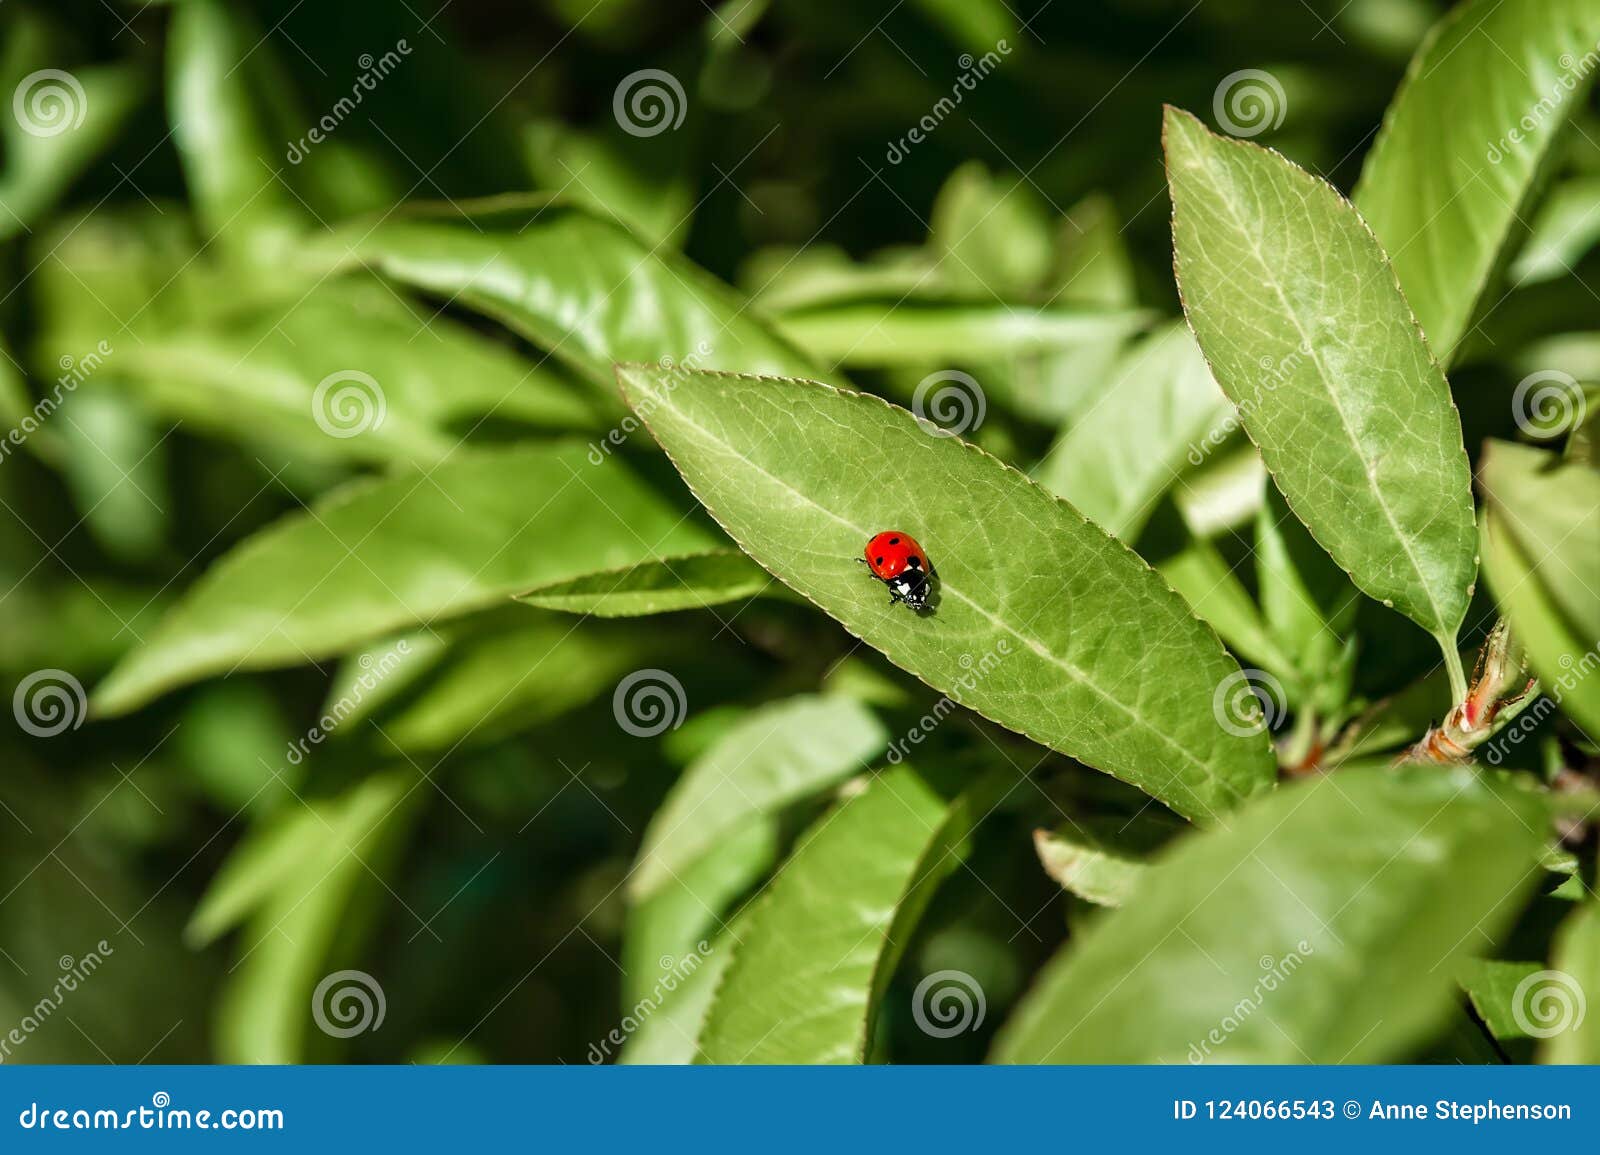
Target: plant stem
[(1452, 665)]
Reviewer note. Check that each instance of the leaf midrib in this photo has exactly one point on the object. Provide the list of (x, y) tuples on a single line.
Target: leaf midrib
[(1073, 671), (1369, 468)]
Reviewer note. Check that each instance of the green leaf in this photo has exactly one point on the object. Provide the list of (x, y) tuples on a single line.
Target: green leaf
[(1551, 509), (1450, 174), (1203, 578), (1042, 622), (992, 237), (503, 673), (656, 587), (1322, 926), (1560, 656), (1297, 311), (376, 557), (1493, 985), (307, 914), (815, 956), (346, 371), (1102, 860), (222, 132), (577, 285), (776, 755), (1575, 960), (1309, 603), (666, 1024), (669, 924), (927, 328), (1130, 445), (1565, 228)]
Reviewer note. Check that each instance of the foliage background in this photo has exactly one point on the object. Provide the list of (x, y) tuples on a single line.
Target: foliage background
[(490, 903)]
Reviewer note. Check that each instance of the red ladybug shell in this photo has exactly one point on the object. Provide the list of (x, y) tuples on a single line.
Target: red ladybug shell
[(890, 553)]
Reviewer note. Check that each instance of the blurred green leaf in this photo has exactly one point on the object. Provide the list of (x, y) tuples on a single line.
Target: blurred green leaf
[(1103, 859), (1041, 621), (656, 587), (1463, 143), (1131, 443), (413, 547), (1561, 1009), (1322, 926), (776, 755), (1352, 416), (811, 964), (1565, 228)]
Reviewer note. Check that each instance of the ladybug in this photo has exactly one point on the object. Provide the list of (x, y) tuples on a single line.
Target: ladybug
[(900, 563)]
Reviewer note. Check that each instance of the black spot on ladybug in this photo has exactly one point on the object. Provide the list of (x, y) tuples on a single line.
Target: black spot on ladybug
[(877, 561), (894, 541)]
